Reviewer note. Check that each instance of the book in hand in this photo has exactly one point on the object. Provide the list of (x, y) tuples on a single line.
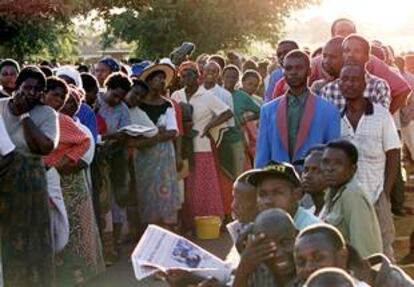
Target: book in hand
[(136, 130), (162, 250)]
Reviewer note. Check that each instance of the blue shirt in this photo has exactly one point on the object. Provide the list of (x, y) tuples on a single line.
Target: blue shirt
[(275, 76), (87, 118), (304, 218)]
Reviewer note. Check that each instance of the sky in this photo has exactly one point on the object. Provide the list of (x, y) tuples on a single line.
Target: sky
[(390, 21)]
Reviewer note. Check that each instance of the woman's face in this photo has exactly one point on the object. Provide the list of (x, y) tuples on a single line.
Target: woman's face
[(55, 98), (189, 78), (114, 97), (157, 82), (8, 76), (102, 72), (134, 96), (70, 108), (29, 94)]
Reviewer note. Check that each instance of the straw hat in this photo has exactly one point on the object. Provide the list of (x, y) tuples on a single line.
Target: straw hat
[(167, 69)]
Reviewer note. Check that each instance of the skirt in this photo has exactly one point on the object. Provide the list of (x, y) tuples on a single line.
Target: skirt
[(203, 194), (82, 258)]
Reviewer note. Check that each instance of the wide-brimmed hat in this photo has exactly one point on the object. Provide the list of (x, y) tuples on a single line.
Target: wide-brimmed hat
[(277, 169), (167, 69)]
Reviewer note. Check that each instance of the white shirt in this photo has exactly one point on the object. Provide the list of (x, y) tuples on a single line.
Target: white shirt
[(206, 107), (374, 136), (226, 97)]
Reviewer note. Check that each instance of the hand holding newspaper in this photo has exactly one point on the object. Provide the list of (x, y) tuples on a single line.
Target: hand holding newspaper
[(161, 250)]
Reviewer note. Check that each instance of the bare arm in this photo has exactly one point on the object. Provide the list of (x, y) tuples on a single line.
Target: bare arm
[(391, 170), (218, 120), (36, 140)]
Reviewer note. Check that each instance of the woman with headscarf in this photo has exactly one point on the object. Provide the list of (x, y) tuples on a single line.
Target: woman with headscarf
[(85, 113), (9, 69), (105, 67), (26, 237), (157, 182), (110, 169), (203, 194), (81, 259)]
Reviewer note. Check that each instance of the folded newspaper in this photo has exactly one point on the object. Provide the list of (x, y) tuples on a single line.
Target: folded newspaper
[(139, 130), (161, 250)]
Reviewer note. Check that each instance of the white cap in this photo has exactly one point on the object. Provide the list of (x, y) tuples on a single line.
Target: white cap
[(70, 72)]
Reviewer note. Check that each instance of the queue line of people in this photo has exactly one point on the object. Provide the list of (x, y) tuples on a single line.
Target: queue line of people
[(321, 133)]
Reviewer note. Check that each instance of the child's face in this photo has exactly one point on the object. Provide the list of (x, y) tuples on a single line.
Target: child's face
[(244, 206), (277, 193), (250, 85)]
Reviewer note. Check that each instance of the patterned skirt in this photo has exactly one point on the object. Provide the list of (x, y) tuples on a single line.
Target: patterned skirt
[(82, 258), (26, 239), (203, 194), (157, 184)]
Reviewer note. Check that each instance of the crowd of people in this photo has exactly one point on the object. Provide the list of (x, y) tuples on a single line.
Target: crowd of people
[(304, 153)]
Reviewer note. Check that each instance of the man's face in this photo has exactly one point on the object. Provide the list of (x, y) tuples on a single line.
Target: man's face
[(244, 205), (284, 237), (296, 72), (337, 167), (211, 73), (275, 192), (332, 60), (313, 180), (102, 72), (355, 53), (343, 29), (313, 252), (282, 50), (8, 76), (352, 82)]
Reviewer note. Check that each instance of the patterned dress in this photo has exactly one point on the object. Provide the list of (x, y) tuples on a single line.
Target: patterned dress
[(156, 174), (82, 258)]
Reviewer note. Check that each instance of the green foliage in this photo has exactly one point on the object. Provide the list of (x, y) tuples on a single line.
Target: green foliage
[(34, 29), (212, 24)]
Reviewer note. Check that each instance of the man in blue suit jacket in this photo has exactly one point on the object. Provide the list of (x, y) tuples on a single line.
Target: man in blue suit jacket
[(291, 124)]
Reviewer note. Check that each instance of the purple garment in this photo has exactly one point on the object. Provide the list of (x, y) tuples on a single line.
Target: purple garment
[(115, 117)]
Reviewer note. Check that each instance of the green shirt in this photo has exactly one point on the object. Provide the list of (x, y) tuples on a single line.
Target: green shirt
[(296, 106), (242, 103), (351, 211)]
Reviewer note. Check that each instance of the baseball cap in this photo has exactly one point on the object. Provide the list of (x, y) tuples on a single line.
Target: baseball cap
[(277, 169)]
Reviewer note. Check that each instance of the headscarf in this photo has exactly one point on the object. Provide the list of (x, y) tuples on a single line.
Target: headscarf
[(77, 94), (71, 73), (111, 63), (189, 65), (10, 62)]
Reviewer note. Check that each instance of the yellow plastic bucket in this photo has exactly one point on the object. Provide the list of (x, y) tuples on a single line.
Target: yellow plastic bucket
[(207, 227)]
